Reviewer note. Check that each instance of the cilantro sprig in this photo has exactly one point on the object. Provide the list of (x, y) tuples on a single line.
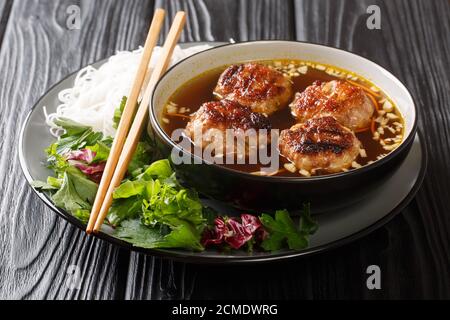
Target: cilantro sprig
[(283, 231)]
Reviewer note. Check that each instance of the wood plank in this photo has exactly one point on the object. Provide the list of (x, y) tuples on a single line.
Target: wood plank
[(38, 247), (216, 20), (38, 50), (219, 20), (410, 44), (413, 255), (5, 9)]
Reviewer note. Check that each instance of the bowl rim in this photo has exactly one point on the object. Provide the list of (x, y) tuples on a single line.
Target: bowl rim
[(156, 126)]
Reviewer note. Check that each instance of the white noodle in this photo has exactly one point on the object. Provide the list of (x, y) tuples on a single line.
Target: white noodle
[(96, 93)]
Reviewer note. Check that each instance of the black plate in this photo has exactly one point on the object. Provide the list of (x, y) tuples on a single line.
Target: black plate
[(337, 227)]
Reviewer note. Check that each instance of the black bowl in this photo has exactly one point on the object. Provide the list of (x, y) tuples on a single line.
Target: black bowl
[(255, 193)]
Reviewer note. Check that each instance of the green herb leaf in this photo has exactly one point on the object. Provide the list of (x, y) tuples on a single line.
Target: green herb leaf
[(130, 189), (183, 235), (76, 137), (160, 169), (282, 230), (101, 151), (82, 215), (118, 112), (135, 232), (307, 224), (168, 205), (140, 158), (84, 187), (124, 209), (54, 182), (67, 197), (71, 127), (45, 186)]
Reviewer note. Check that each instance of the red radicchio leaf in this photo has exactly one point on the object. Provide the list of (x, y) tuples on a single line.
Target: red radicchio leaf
[(216, 234), (234, 233), (93, 171), (251, 223), (239, 235), (85, 155), (82, 159)]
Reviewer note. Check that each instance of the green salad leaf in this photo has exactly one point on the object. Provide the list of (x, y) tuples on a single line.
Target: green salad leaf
[(71, 127), (159, 169), (183, 235), (101, 150), (118, 112), (51, 184), (136, 233), (129, 189), (85, 188), (76, 136), (82, 215), (140, 158), (308, 226), (283, 230), (68, 198), (169, 205), (150, 209), (124, 209), (163, 202)]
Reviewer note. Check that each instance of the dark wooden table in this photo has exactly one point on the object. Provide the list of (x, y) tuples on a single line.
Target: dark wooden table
[(37, 248)]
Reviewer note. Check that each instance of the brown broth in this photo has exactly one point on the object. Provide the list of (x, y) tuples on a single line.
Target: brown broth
[(200, 90)]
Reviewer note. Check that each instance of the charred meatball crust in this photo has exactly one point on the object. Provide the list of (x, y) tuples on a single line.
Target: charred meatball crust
[(347, 103), (218, 116), (257, 86), (320, 144)]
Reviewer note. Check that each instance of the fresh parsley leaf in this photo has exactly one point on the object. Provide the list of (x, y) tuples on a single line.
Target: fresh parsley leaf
[(55, 161), (282, 230)]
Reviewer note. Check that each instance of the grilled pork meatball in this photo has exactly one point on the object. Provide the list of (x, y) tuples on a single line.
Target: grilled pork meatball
[(320, 144), (209, 124), (254, 85), (347, 103)]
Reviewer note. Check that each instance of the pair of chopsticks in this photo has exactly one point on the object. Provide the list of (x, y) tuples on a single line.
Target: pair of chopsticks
[(127, 138)]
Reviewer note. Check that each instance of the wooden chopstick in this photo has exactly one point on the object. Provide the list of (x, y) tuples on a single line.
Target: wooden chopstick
[(141, 116), (127, 116)]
